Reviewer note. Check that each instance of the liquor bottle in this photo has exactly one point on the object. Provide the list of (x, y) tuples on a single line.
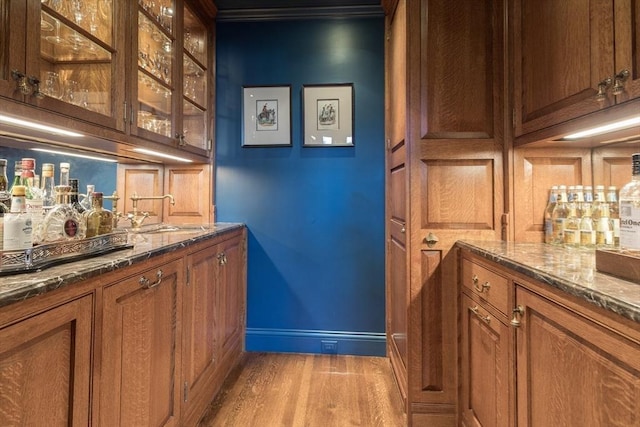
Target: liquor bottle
[(598, 199), (63, 222), (571, 233), (99, 220), (17, 177), (614, 213), (548, 212), (588, 199), (604, 228), (587, 231), (630, 208), (559, 216), (73, 196), (578, 199), (48, 184), (86, 201), (33, 195), (5, 197), (64, 174), (17, 223)]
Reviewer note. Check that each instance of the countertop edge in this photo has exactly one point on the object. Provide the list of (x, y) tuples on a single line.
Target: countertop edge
[(593, 296), (77, 271)]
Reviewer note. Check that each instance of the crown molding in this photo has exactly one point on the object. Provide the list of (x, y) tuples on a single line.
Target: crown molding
[(296, 13)]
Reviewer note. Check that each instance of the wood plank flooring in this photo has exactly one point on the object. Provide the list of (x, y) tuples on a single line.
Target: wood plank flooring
[(296, 390)]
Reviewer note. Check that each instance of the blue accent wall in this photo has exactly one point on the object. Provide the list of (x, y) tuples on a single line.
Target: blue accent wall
[(315, 215)]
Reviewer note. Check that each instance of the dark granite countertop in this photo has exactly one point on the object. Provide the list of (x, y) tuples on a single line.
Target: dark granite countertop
[(570, 270), (19, 287)]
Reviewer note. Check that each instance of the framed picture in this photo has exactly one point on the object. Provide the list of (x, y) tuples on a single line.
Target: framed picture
[(266, 112), (328, 115)]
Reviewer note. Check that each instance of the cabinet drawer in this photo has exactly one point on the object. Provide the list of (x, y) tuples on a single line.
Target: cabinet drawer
[(487, 284)]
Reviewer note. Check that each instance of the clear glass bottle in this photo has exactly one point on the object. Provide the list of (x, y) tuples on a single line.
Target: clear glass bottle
[(559, 215), (18, 227), (604, 228), (614, 213), (33, 195), (578, 199), (5, 197), (99, 220), (587, 230), (571, 234), (598, 198), (48, 184), (630, 208), (548, 212), (63, 222), (86, 201), (64, 174)]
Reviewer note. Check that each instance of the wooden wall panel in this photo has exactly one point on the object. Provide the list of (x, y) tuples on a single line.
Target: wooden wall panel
[(535, 171), (191, 187), (146, 180), (397, 76), (461, 184), (457, 94), (612, 165)]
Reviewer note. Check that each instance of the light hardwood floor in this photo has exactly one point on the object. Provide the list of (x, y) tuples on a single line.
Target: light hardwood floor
[(295, 390)]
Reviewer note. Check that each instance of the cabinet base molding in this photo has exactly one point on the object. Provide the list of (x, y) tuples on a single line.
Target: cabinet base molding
[(314, 341)]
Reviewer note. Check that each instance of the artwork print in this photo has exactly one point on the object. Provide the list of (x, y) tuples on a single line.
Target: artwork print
[(267, 115), (328, 114)]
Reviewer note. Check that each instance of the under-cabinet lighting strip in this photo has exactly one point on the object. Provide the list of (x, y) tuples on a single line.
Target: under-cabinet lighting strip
[(37, 126), (163, 155), (83, 156), (605, 128)]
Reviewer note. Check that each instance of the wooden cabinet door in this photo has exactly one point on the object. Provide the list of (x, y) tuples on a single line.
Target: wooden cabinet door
[(12, 46), (140, 358), (484, 354), (562, 50), (572, 371), (396, 200), (47, 358), (200, 349), (627, 47), (231, 295)]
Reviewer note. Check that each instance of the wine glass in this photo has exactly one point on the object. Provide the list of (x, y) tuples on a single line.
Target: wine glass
[(55, 39), (52, 86)]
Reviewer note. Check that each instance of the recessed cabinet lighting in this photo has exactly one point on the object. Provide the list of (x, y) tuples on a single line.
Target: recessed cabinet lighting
[(37, 126), (622, 124)]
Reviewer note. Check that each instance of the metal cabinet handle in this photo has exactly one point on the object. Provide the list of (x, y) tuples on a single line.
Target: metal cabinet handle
[(518, 312), (618, 85), (486, 285), (486, 319), (431, 239), (603, 86), (21, 81), (146, 283), (222, 258), (35, 83)]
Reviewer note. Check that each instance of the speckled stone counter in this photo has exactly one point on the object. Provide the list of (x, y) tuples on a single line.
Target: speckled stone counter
[(19, 287), (571, 271)]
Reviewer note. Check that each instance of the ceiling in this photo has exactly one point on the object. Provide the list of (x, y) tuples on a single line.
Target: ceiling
[(229, 10)]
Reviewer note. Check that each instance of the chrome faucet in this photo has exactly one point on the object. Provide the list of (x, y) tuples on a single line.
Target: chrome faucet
[(137, 220)]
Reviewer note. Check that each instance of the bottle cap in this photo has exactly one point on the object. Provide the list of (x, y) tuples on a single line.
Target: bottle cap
[(28, 163), (3, 162), (64, 165), (18, 190), (47, 169)]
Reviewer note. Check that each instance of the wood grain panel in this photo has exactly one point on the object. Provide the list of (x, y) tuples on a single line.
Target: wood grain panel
[(458, 193), (431, 302), (397, 299), (191, 187), (627, 46), (146, 180), (535, 171), (556, 350), (457, 67), (47, 358), (397, 194), (397, 75), (612, 165)]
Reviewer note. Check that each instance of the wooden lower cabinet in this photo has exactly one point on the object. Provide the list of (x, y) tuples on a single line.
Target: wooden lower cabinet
[(551, 360), (140, 357), (572, 370), (213, 321), (47, 358)]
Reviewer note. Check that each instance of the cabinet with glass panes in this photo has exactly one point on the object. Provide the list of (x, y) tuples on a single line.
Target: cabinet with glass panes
[(62, 56), (172, 75)]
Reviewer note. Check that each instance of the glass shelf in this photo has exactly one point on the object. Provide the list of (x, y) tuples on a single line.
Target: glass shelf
[(194, 82), (194, 125), (155, 49)]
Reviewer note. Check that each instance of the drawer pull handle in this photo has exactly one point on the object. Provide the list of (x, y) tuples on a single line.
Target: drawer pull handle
[(146, 283), (486, 319), (486, 285), (518, 312), (222, 258)]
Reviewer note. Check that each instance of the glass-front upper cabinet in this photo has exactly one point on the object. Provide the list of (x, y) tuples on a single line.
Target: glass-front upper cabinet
[(195, 130), (63, 55)]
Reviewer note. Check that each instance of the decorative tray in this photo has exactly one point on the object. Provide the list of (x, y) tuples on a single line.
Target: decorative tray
[(621, 263), (42, 256)]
